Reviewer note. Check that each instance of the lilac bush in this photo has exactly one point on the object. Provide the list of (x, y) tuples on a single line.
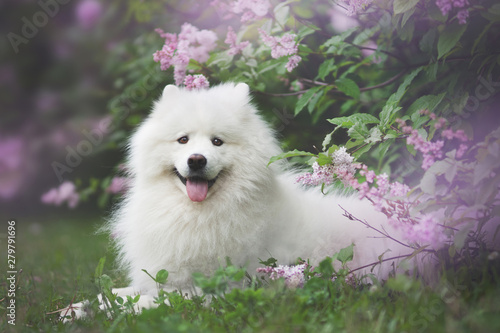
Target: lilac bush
[(406, 89), (191, 43)]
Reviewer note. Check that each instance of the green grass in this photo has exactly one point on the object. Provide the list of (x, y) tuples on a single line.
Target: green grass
[(58, 260)]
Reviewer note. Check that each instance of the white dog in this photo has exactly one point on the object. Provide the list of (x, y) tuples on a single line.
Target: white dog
[(202, 191)]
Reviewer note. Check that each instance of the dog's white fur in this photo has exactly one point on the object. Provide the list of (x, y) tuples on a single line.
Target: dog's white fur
[(252, 211)]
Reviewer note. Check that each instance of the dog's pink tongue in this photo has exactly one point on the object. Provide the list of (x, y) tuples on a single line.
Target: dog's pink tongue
[(197, 189)]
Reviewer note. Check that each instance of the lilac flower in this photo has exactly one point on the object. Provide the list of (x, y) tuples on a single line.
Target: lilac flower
[(322, 174), (231, 39), (370, 175), (447, 5), (293, 275), (426, 232), (281, 47), (293, 62), (191, 43), (196, 82), (461, 150), (355, 6), (119, 185), (88, 13), (398, 189), (462, 16), (341, 156), (64, 193), (251, 9), (341, 166), (431, 150)]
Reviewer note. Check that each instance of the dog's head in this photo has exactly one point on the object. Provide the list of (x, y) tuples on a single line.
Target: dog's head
[(202, 140)]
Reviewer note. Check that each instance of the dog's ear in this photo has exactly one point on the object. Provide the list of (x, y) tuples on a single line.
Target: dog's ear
[(242, 92), (170, 91), (242, 89)]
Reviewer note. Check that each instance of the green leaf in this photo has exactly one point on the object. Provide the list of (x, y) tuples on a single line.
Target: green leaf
[(406, 16), (427, 102), (105, 283), (324, 159), (346, 254), (161, 276), (396, 97), (282, 14), (221, 59), (375, 135), (361, 150), (391, 106), (451, 172), (100, 267), (306, 31), (359, 132), (428, 183), (401, 6), (328, 139), (292, 153), (426, 44), (325, 267), (348, 87), (406, 31), (304, 100), (480, 37), (314, 100), (349, 121), (326, 68), (449, 37)]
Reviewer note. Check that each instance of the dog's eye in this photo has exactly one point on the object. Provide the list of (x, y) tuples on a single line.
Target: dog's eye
[(183, 140), (217, 142)]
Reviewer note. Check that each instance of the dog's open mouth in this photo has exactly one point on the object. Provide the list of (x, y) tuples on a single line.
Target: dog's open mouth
[(196, 187)]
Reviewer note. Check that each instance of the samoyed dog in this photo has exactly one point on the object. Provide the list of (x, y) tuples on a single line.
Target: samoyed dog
[(201, 190)]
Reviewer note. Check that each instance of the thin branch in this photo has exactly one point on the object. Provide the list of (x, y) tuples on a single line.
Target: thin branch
[(295, 93), (380, 85), (380, 261), (335, 91), (385, 52), (353, 218)]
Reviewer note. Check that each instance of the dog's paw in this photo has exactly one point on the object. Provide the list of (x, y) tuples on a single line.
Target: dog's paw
[(75, 311)]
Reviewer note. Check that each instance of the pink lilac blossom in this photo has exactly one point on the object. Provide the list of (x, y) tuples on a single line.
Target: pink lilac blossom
[(293, 275), (462, 16), (356, 6), (119, 185), (389, 198), (341, 166), (426, 232), (251, 9), (282, 47), (64, 193), (322, 174), (293, 62), (431, 151), (196, 82), (234, 46), (447, 5), (88, 13), (191, 43)]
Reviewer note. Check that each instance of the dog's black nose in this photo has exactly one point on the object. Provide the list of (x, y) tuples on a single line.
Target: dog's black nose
[(196, 162)]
